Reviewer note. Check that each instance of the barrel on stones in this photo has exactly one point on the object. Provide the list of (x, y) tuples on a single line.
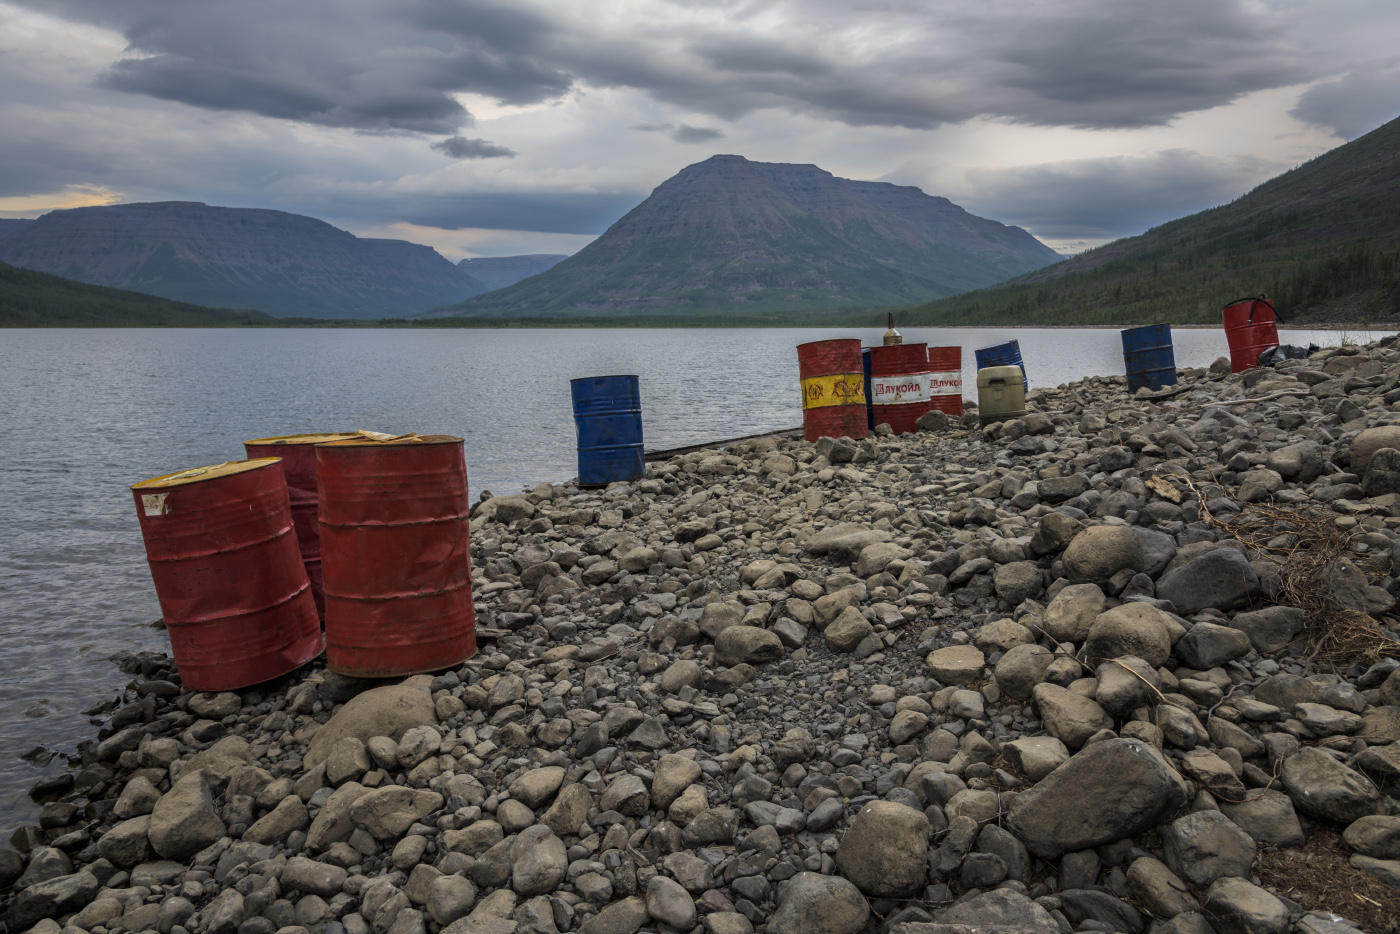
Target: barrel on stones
[(1001, 394), (899, 385), (833, 389), (298, 454), (1148, 357), (945, 380), (232, 588), (608, 422), (1251, 327), (1007, 353), (396, 555)]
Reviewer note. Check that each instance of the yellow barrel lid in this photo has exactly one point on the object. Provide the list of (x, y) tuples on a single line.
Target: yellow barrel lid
[(227, 468), (319, 437), (375, 439)]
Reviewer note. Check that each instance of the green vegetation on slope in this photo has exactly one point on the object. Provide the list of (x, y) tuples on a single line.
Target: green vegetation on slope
[(31, 299), (1322, 241)]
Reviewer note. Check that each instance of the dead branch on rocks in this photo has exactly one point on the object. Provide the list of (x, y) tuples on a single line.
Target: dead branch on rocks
[(1304, 543)]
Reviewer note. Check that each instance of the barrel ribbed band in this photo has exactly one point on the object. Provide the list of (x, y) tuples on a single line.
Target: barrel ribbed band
[(834, 389)]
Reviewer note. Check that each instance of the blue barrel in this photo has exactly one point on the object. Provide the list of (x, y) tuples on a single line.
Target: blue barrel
[(608, 419), (869, 400), (1007, 353), (1148, 357)]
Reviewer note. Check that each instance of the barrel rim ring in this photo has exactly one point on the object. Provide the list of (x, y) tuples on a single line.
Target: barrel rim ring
[(581, 379), (209, 472)]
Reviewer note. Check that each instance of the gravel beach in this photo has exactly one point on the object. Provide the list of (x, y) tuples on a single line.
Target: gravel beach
[(1123, 664)]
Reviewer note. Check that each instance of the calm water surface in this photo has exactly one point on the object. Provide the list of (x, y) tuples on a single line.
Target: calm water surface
[(89, 412)]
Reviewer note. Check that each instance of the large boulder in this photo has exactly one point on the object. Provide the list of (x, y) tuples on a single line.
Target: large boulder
[(1069, 717), (817, 904), (847, 631), (389, 711), (1101, 551), (1205, 846), (1302, 462), (1271, 628), (1321, 786), (185, 821), (1137, 629), (739, 644), (1073, 611), (885, 850), (538, 861), (1109, 790), (1367, 443), (1021, 669), (1222, 579)]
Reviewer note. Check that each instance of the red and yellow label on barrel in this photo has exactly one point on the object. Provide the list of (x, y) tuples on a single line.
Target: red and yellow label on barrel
[(834, 389)]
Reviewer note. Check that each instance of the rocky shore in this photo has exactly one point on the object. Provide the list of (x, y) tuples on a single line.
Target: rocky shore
[(1124, 664)]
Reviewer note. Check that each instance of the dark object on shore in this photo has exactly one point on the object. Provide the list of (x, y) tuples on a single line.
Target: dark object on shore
[(833, 389), (228, 574), (945, 380), (298, 454), (899, 385), (395, 547), (1285, 352), (1007, 353), (1148, 357), (608, 422), (1251, 327)]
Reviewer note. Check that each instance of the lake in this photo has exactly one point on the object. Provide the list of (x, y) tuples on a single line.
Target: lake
[(89, 412)]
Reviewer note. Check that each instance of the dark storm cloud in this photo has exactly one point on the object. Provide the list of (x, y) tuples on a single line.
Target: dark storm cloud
[(1101, 199), (459, 147), (394, 65), (1356, 103), (685, 133)]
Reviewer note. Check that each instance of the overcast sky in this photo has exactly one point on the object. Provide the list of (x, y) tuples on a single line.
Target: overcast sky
[(487, 128)]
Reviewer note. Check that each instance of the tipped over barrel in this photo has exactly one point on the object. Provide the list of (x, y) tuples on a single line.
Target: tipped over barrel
[(298, 454), (228, 574), (396, 555), (833, 389), (1251, 327)]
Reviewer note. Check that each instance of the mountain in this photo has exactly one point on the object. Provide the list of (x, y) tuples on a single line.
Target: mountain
[(284, 264), (732, 236), (1322, 241), (497, 272), (31, 299)]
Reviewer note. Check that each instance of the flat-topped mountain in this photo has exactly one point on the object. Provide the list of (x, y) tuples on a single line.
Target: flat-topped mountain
[(730, 235), (284, 264), (497, 272)]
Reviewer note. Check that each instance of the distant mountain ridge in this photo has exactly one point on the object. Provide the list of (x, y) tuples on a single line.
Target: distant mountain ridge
[(730, 235), (284, 264), (497, 272), (1322, 241)]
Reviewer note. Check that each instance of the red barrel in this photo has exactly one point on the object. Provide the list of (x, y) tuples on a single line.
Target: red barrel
[(1251, 327), (899, 385), (833, 389), (396, 555), (945, 380), (298, 454), (232, 589)]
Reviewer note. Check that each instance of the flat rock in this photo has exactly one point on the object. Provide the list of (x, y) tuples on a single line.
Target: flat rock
[(1107, 791), (391, 710)]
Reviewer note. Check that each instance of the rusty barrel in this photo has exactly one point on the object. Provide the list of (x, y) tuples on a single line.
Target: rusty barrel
[(395, 554), (298, 454), (945, 380), (899, 385), (833, 389), (1251, 327), (233, 591)]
